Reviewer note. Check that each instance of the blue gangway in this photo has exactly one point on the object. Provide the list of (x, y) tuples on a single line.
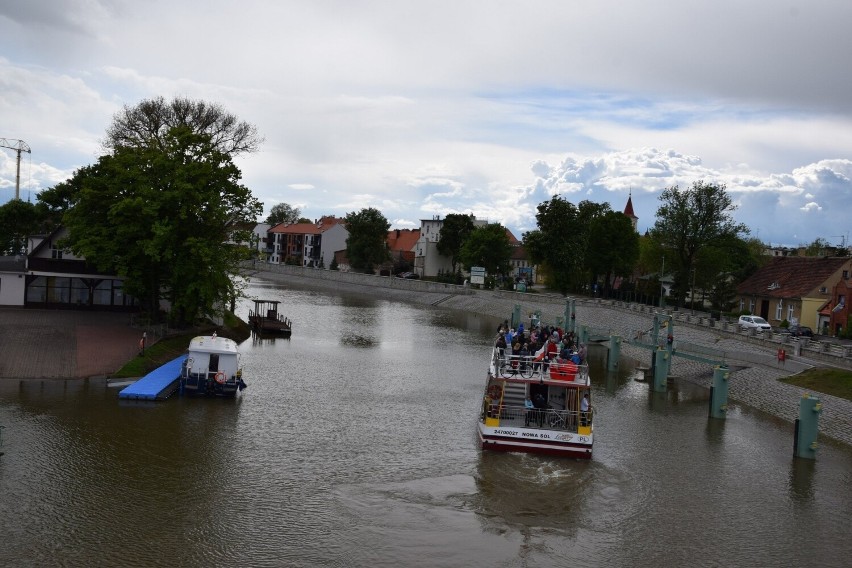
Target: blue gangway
[(157, 384)]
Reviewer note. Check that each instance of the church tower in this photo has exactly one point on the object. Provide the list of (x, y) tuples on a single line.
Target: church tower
[(628, 210)]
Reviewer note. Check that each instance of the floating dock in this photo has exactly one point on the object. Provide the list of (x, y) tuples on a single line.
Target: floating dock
[(159, 384)]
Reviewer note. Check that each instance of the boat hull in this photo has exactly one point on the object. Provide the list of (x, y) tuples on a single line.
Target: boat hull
[(535, 441)]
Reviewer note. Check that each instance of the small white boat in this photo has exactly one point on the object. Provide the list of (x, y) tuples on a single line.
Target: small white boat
[(212, 367), (536, 406)]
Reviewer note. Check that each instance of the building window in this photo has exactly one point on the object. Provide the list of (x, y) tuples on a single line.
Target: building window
[(751, 306), (742, 304), (846, 275), (55, 253), (779, 309), (790, 312)]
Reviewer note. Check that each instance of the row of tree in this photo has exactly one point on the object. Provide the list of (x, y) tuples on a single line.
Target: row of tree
[(163, 207)]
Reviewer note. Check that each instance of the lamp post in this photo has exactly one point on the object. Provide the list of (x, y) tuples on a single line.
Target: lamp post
[(692, 294)]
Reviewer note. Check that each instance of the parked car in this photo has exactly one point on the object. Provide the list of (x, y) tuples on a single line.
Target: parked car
[(408, 275), (801, 331), (756, 322)]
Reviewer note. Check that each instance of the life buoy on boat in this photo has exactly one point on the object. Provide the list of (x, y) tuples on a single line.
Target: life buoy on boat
[(219, 378)]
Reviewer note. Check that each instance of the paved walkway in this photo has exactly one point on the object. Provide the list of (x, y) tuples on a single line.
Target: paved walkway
[(64, 344)]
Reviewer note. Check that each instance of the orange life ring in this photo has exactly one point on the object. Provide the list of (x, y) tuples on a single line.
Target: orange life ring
[(220, 378)]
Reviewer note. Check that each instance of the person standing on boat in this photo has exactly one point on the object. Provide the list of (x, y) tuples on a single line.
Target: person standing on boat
[(584, 410), (529, 411)]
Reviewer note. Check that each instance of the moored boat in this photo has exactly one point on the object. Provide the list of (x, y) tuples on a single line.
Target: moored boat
[(266, 319), (212, 367), (537, 406)]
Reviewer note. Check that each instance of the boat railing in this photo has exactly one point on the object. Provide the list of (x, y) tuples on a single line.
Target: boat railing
[(546, 418), (526, 366)]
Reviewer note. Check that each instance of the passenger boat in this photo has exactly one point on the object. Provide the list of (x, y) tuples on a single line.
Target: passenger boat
[(266, 319), (212, 367), (558, 424)]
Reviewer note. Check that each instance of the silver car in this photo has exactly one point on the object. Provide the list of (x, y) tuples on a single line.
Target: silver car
[(757, 322)]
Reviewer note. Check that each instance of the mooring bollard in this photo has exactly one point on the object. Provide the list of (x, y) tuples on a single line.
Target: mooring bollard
[(807, 427), (614, 353), (719, 392), (661, 369)]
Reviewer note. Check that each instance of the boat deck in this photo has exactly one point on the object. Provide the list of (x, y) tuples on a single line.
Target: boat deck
[(159, 384)]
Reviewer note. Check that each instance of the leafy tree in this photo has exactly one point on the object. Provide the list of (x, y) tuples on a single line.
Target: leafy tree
[(283, 213), (551, 244), (149, 123), (454, 230), (489, 247), (819, 247), (690, 220), (162, 216), (367, 245), (18, 220), (613, 247)]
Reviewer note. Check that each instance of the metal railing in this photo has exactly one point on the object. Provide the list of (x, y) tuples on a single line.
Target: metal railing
[(525, 366), (544, 418)]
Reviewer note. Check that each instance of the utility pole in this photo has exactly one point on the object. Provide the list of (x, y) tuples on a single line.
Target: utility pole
[(19, 146)]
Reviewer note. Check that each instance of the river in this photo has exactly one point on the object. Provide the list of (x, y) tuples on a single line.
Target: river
[(354, 445)]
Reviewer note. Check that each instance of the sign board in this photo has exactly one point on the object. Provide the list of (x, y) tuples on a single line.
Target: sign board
[(477, 275)]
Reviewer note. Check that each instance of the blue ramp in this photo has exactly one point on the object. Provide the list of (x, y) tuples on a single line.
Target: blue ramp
[(155, 383)]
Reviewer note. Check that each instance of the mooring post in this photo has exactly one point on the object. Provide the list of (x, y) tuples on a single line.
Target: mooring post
[(661, 369), (719, 392), (807, 427), (566, 315), (614, 353), (572, 326), (584, 335), (516, 316)]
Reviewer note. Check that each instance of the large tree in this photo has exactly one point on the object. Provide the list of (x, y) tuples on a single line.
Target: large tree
[(613, 247), (550, 245), (454, 231), (283, 213), (489, 247), (688, 221), (163, 217), (18, 220), (367, 244), (148, 124)]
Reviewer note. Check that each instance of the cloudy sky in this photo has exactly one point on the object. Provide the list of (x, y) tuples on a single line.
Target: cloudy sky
[(490, 107)]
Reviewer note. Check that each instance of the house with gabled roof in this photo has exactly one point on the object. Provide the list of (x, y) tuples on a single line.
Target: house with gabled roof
[(306, 244), (50, 276), (402, 244), (793, 288)]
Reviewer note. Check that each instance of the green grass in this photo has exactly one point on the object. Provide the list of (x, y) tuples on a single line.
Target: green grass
[(173, 346), (836, 382)]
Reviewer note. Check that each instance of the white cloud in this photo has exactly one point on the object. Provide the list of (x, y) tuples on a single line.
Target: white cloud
[(436, 107)]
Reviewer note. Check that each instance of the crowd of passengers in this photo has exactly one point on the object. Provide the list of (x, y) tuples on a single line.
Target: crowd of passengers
[(524, 344)]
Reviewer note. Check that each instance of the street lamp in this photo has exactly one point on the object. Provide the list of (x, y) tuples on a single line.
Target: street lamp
[(692, 294)]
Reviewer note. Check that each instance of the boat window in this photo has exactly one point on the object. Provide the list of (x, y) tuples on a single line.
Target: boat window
[(214, 362)]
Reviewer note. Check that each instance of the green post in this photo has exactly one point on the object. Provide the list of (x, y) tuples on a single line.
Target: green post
[(614, 352), (566, 315), (807, 427), (661, 370), (670, 335), (516, 316), (584, 335), (719, 392)]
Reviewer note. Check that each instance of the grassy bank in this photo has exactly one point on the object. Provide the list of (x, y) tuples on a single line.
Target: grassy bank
[(172, 346), (836, 382)]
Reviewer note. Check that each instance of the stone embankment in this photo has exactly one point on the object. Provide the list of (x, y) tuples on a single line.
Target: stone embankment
[(752, 359)]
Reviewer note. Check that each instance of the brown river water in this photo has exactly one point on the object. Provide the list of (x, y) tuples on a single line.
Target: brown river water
[(354, 445)]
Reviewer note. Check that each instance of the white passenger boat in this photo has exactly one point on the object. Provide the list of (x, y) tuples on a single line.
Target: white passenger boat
[(559, 422), (212, 367)]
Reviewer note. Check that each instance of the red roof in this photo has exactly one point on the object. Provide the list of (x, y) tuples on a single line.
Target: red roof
[(402, 240), (628, 209), (791, 276), (296, 229)]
